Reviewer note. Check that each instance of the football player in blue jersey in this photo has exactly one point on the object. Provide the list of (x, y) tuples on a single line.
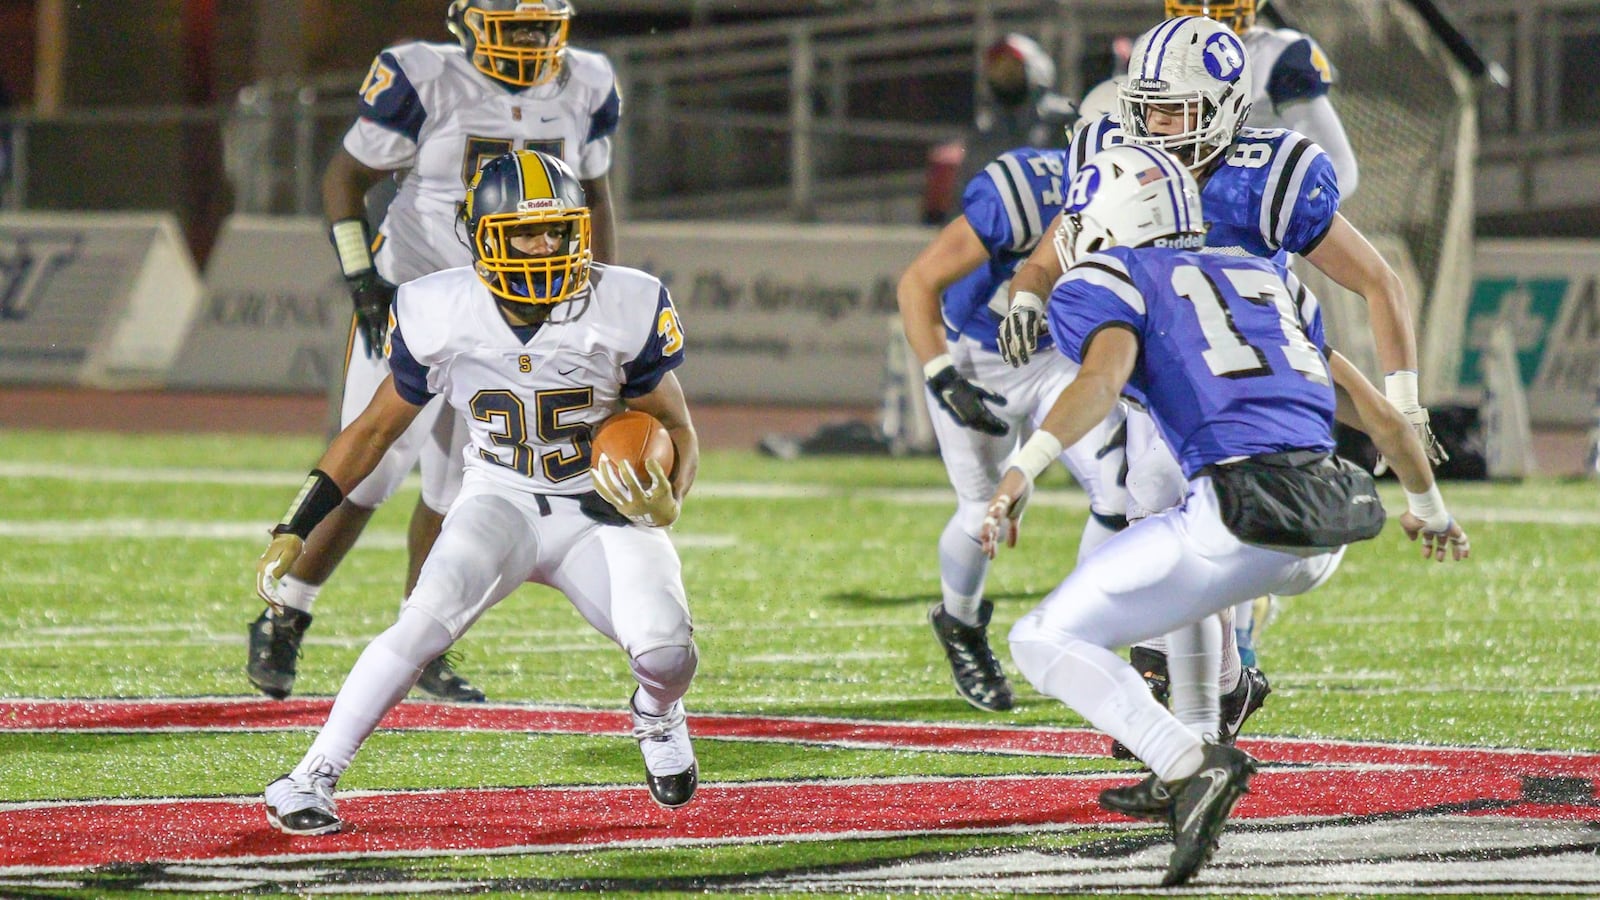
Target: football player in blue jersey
[(1291, 77), (436, 112), (1269, 193), (1227, 354), (951, 299)]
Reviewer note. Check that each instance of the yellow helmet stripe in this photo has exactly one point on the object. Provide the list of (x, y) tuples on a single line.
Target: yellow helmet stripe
[(536, 181)]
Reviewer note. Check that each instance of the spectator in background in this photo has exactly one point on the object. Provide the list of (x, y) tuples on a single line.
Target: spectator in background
[(1018, 108)]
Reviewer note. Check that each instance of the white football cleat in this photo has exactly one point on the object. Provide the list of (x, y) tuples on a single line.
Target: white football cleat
[(669, 765), (302, 803)]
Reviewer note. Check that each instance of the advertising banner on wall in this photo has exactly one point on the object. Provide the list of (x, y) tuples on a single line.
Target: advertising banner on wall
[(276, 315), (785, 313), (1545, 293), (100, 299)]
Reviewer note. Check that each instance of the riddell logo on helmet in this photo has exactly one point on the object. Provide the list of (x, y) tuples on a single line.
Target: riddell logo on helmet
[(1181, 242), (1151, 84), (538, 205)]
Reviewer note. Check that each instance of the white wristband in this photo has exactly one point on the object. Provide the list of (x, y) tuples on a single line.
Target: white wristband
[(350, 242), (1401, 389), (1037, 454), (1027, 299), (936, 365), (1429, 507)]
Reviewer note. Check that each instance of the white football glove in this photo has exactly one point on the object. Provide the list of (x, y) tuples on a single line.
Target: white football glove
[(274, 563), (655, 506), (1019, 330)]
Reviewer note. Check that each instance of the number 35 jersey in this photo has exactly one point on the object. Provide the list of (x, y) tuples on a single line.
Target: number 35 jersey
[(531, 400), (1273, 193), (426, 112), (1231, 348)]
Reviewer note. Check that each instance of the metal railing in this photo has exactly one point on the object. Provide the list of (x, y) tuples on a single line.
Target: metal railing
[(731, 120)]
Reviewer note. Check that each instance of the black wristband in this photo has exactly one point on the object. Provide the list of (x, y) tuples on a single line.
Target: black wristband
[(318, 497)]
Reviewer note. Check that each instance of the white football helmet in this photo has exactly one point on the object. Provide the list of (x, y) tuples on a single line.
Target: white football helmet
[(1189, 73), (1129, 196)]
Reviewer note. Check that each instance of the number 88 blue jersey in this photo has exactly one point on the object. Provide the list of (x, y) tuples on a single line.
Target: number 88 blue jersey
[(1231, 348)]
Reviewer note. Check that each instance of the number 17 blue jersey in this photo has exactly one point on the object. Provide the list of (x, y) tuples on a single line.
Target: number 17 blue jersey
[(1231, 348)]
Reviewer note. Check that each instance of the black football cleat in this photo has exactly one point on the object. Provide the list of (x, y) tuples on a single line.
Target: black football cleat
[(979, 679), (1242, 702), (1152, 666), (274, 648), (440, 680), (1148, 798), (1200, 807)]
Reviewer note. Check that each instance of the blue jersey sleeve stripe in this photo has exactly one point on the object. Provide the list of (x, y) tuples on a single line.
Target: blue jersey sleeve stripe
[(603, 123), (1108, 273), (1284, 180), (1014, 196), (410, 376), (397, 106)]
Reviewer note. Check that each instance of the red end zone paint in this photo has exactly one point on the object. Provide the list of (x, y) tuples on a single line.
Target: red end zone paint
[(1337, 779)]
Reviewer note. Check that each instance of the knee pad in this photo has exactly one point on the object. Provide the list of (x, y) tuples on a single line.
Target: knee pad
[(1034, 658), (416, 637), (665, 672), (969, 516)]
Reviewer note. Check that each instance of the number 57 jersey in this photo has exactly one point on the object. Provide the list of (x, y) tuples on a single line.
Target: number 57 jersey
[(531, 397), (1230, 348)]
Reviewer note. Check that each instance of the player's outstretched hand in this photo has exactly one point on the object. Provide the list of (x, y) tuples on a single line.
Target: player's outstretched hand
[(1451, 542), (274, 564), (1002, 523), (654, 505)]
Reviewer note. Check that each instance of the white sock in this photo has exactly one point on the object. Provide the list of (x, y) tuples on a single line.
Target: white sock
[(381, 677), (1231, 670), (1192, 653), (962, 570), (297, 594), (1105, 690)]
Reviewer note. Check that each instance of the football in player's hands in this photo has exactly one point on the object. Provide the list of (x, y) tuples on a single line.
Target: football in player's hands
[(633, 437)]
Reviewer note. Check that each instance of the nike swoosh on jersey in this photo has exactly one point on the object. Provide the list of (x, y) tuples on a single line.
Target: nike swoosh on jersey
[(566, 372)]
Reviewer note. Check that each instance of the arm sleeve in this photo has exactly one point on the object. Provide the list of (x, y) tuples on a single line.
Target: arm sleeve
[(662, 352)]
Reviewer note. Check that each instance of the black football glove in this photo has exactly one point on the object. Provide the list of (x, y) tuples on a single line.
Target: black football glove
[(372, 297), (964, 401)]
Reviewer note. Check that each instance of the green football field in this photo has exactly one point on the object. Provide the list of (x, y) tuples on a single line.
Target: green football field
[(126, 574)]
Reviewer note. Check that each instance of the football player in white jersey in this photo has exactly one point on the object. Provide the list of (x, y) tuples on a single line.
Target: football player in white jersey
[(534, 346), (430, 114)]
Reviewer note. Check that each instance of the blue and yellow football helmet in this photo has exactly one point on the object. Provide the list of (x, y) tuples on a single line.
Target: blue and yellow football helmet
[(520, 43), (528, 192)]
